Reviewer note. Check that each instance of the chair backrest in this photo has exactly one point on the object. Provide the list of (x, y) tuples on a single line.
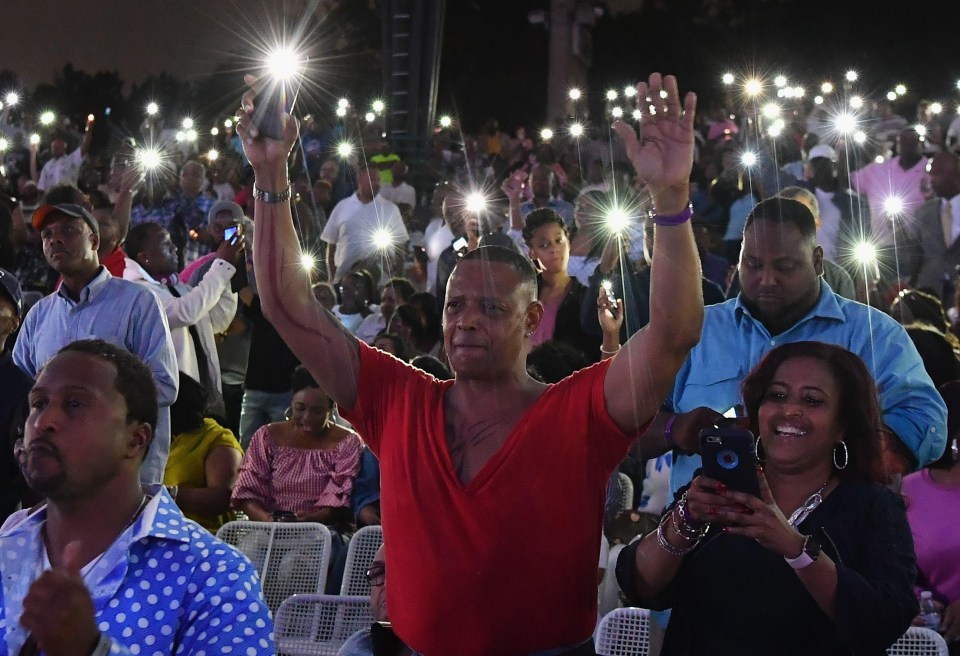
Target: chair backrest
[(318, 624), (360, 552), (626, 491), (291, 558), (609, 595), (918, 641), (624, 632)]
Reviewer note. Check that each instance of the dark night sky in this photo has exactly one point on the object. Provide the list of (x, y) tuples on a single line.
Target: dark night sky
[(495, 61)]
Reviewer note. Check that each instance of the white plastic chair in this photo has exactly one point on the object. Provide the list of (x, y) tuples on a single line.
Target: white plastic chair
[(291, 558), (919, 641), (609, 587), (624, 632), (360, 552), (626, 491), (317, 624)]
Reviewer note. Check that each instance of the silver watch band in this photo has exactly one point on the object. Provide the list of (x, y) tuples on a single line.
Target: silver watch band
[(270, 197)]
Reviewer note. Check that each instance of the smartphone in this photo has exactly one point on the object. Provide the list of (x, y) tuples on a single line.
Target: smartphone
[(729, 455), (269, 107), (608, 286), (230, 233), (460, 245), (284, 516)]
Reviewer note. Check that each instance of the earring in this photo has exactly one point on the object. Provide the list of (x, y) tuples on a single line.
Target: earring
[(846, 456), (761, 456)]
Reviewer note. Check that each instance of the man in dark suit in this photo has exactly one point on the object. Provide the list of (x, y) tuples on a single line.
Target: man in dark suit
[(936, 247)]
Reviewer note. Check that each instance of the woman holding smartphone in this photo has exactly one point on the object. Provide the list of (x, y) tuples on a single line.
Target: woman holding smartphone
[(822, 562)]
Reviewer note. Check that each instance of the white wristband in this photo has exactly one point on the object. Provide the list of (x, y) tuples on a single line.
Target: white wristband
[(801, 561)]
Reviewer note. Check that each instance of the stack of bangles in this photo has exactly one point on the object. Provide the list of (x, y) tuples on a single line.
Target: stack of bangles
[(674, 219), (684, 529)]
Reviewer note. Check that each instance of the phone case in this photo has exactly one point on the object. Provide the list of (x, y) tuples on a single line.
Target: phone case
[(729, 455), (270, 106)]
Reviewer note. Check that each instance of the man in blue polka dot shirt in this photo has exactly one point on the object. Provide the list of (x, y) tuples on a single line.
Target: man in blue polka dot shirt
[(101, 568)]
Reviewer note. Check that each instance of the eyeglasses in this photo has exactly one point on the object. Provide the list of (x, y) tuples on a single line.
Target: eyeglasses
[(376, 575)]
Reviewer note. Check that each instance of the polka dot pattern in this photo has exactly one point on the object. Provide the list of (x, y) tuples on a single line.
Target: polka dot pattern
[(166, 587)]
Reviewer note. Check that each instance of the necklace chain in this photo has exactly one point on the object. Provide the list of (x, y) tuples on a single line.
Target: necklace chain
[(143, 502), (808, 506)]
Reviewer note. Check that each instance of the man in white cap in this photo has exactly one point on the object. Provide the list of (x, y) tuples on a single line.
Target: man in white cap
[(844, 216)]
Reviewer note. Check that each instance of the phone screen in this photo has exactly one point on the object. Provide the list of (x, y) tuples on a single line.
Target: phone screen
[(230, 233)]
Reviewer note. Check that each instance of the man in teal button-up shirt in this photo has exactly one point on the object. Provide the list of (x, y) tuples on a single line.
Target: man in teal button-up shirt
[(784, 300)]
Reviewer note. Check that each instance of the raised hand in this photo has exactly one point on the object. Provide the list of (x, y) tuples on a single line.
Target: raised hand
[(264, 154), (610, 315), (512, 186), (131, 179), (663, 154)]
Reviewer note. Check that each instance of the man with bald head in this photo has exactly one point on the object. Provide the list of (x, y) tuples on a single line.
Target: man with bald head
[(357, 224), (399, 191), (494, 453), (937, 226)]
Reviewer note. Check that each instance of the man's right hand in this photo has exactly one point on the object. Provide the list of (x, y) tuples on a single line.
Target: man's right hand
[(267, 156), (687, 427), (231, 250)]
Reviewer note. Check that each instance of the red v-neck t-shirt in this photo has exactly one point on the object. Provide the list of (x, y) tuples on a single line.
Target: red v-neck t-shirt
[(508, 563)]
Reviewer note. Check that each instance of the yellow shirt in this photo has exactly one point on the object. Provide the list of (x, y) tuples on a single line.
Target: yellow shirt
[(186, 465)]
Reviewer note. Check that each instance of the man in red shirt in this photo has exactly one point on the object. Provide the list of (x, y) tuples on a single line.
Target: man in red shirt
[(493, 483)]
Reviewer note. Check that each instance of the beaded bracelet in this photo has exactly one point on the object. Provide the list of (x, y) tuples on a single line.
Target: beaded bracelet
[(674, 219), (688, 526)]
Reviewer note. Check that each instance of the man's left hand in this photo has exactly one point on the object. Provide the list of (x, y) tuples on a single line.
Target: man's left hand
[(58, 613)]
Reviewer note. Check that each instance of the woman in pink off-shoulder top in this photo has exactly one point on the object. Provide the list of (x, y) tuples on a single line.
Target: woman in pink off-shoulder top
[(302, 468)]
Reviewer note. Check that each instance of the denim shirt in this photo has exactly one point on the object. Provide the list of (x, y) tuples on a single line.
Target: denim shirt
[(122, 313), (165, 586), (733, 342)]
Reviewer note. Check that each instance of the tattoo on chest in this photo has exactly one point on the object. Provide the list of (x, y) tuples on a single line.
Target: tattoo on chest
[(472, 441)]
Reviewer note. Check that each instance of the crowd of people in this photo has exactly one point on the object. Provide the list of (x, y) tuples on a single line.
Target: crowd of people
[(475, 361)]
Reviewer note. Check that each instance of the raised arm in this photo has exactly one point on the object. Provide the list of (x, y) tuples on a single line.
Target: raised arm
[(87, 139), (321, 342), (123, 207), (663, 158)]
